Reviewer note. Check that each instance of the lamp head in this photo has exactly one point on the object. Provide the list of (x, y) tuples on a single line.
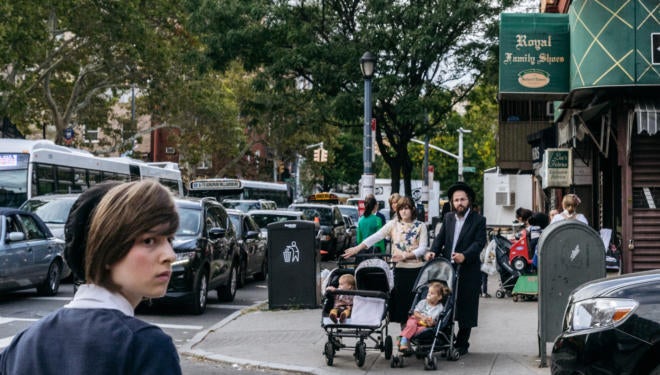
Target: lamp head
[(368, 65)]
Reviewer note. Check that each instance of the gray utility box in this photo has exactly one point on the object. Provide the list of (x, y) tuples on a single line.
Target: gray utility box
[(570, 254), (293, 265)]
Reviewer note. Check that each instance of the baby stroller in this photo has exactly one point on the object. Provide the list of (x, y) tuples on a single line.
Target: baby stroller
[(369, 321), (438, 339), (508, 275)]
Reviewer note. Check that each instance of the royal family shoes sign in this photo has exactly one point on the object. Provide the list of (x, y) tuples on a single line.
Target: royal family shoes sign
[(534, 53)]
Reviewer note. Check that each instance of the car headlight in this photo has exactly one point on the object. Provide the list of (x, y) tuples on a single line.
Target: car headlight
[(599, 313), (183, 258)]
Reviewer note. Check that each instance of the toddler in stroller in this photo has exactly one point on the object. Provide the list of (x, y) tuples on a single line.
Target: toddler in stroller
[(343, 302), (438, 279), (368, 319), (426, 312)]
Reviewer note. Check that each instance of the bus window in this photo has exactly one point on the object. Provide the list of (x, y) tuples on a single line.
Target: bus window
[(45, 178)]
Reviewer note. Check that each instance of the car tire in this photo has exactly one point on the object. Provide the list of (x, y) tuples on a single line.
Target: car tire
[(261, 275), (242, 274), (227, 292), (51, 285), (200, 294)]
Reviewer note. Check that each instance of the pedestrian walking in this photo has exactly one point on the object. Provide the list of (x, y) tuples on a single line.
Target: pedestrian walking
[(370, 223), (127, 256), (461, 239)]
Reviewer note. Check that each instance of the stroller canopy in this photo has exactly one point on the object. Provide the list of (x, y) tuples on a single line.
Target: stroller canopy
[(374, 274), (437, 269)]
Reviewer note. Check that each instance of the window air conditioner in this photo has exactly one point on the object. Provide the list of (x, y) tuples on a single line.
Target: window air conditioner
[(505, 198)]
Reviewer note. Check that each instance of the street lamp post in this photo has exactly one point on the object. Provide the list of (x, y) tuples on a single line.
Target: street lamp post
[(368, 66), (461, 131)]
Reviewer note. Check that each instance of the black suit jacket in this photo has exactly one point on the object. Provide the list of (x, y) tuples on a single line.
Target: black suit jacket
[(471, 241)]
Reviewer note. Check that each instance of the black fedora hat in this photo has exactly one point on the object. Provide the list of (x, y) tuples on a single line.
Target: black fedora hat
[(462, 186)]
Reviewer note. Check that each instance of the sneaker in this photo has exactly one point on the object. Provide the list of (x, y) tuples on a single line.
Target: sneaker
[(343, 316), (403, 344), (485, 295), (333, 316)]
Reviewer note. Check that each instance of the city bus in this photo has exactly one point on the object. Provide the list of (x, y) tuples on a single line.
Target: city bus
[(231, 188), (31, 168)]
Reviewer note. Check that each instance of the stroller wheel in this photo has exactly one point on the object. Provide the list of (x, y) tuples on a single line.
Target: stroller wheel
[(329, 352), (515, 298), (397, 361), (360, 353), (430, 363), (499, 293), (453, 355), (388, 347)]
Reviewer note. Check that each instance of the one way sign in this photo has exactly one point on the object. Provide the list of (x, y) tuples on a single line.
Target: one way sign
[(655, 48)]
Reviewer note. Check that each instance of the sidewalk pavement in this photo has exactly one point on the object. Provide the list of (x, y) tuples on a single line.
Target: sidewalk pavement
[(505, 342)]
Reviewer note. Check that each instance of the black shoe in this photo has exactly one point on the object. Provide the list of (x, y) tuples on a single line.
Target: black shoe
[(462, 350)]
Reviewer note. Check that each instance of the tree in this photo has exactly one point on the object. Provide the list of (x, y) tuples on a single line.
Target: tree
[(68, 62), (426, 53)]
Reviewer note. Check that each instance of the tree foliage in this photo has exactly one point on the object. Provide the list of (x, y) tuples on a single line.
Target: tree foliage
[(426, 53)]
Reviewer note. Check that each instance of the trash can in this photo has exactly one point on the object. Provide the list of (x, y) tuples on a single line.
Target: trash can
[(293, 265), (570, 253)]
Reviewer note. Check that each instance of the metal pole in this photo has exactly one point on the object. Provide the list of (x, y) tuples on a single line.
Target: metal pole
[(367, 177), (298, 157), (460, 152)]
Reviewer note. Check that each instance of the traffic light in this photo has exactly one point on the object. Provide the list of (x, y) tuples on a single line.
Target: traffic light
[(324, 155), (317, 154)]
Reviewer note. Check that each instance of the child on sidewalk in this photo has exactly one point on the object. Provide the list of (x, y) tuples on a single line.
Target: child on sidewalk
[(343, 303), (426, 313)]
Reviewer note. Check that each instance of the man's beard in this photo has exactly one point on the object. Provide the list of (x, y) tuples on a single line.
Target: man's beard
[(462, 212)]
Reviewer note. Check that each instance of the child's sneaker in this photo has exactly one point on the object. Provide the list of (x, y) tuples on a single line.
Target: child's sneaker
[(343, 316), (403, 344), (333, 316)]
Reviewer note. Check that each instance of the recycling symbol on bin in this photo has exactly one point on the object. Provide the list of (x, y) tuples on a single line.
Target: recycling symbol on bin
[(291, 253)]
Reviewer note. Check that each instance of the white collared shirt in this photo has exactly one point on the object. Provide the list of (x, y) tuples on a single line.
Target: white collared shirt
[(90, 296), (457, 230)]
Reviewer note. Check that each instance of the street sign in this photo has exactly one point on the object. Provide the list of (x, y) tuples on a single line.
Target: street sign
[(469, 169)]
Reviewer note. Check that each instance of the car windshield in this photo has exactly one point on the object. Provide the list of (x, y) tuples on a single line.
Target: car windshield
[(241, 206), (350, 211), (263, 219), (324, 214), (51, 211), (189, 220)]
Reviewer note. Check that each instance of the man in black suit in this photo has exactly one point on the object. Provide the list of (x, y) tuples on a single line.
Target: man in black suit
[(461, 239)]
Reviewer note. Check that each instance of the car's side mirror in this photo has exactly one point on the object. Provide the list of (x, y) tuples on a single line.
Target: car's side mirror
[(251, 234), (217, 232), (16, 236)]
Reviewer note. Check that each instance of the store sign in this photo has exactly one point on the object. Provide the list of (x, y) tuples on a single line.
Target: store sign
[(557, 168), (534, 53)]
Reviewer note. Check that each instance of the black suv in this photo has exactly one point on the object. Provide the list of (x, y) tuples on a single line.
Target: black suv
[(207, 254), (332, 232)]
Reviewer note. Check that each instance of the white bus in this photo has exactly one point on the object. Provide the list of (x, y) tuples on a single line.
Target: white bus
[(36, 167), (230, 188)]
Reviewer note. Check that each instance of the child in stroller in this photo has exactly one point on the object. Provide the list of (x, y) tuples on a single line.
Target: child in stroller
[(426, 312), (368, 319), (428, 342), (343, 302)]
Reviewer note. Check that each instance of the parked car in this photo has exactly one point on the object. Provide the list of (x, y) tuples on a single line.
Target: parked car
[(265, 217), (254, 260), (332, 232), (247, 205), (350, 210), (53, 209), (611, 326), (207, 254), (30, 256), (351, 231)]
